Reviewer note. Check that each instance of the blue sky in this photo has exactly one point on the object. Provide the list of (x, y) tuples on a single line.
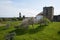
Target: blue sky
[(11, 8)]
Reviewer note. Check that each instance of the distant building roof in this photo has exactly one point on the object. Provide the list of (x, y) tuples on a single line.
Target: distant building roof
[(41, 13)]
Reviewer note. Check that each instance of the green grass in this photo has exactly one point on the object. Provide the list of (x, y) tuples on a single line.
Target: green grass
[(46, 33), (49, 32), (4, 32)]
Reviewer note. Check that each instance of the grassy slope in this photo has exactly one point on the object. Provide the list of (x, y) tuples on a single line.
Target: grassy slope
[(46, 33), (4, 32)]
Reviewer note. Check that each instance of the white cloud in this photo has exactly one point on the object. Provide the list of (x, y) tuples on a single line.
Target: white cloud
[(57, 12), (29, 12), (7, 10)]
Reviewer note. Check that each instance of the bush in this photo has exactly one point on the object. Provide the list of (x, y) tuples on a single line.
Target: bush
[(44, 21), (23, 25), (31, 21), (1, 20)]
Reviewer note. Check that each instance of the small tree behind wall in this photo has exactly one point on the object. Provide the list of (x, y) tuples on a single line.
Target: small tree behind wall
[(31, 21), (44, 21)]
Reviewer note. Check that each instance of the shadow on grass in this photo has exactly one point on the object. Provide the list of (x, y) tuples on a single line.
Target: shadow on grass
[(20, 31), (39, 28), (29, 31), (58, 32), (2, 28)]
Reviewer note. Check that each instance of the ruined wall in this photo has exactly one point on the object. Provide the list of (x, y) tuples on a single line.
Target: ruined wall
[(48, 12)]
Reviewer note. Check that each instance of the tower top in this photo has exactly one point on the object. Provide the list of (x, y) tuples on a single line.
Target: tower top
[(49, 7), (19, 14)]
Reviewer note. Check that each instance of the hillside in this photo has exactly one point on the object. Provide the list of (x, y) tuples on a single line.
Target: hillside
[(50, 32)]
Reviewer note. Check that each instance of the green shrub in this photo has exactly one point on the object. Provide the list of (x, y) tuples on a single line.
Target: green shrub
[(44, 21)]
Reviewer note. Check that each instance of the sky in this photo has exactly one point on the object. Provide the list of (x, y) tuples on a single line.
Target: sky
[(29, 8)]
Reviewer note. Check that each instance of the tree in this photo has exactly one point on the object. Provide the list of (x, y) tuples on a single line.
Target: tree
[(31, 21), (47, 21), (1, 20), (14, 19), (23, 16), (44, 21), (24, 24)]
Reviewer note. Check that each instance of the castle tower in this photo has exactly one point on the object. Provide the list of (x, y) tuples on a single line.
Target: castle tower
[(19, 15), (48, 12)]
